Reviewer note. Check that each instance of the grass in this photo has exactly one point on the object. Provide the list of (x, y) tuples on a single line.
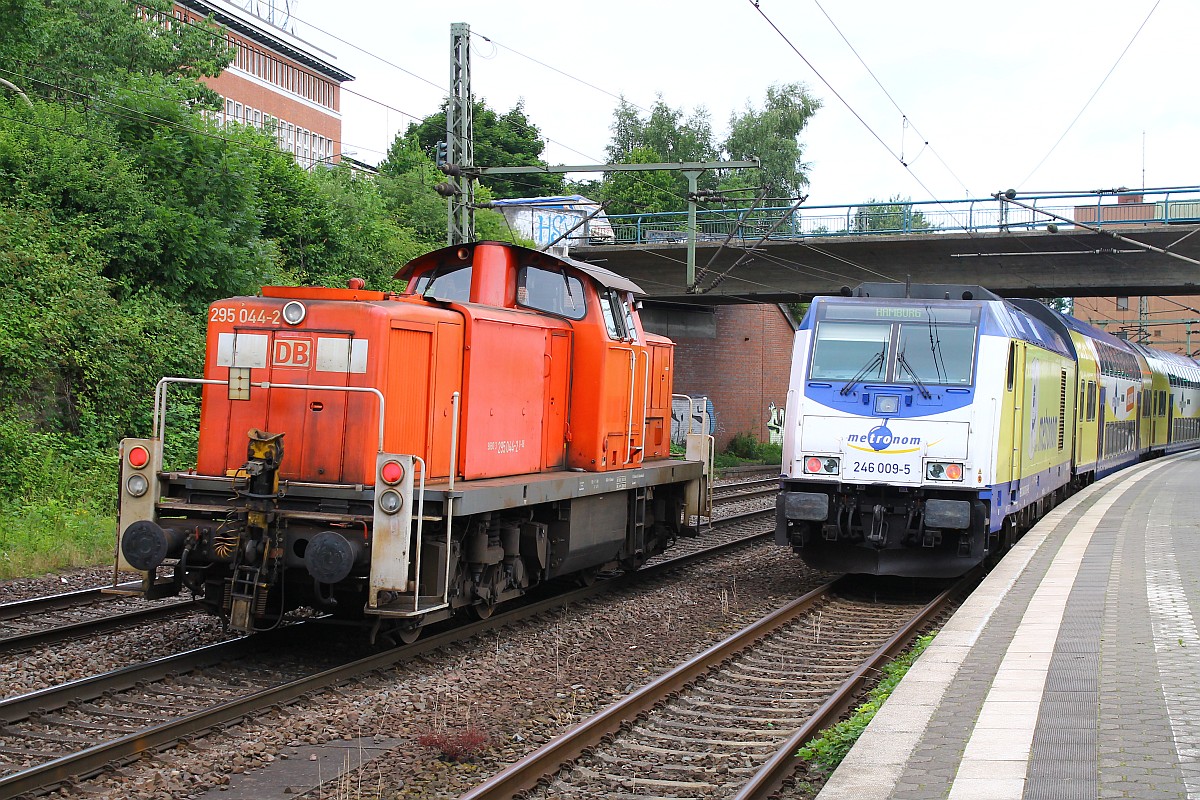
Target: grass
[(36, 540), (744, 449), (826, 751)]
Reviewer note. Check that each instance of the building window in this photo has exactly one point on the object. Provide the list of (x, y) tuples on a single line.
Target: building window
[(1122, 304)]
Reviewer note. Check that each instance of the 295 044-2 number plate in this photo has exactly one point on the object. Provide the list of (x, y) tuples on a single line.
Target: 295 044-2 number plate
[(243, 315)]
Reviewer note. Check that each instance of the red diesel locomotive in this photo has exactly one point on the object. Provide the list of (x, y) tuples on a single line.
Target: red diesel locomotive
[(391, 458)]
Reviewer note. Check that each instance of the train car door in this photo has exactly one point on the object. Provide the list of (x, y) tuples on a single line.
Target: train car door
[(1016, 383), (558, 390), (1100, 409), (1170, 417)]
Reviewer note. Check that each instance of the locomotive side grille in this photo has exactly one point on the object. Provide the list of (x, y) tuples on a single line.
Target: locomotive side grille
[(1062, 410)]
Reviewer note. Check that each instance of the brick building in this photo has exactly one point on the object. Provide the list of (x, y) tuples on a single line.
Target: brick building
[(277, 81), (739, 358), (1168, 323)]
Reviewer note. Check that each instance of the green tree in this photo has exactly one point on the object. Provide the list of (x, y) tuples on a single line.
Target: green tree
[(82, 50), (407, 178), (664, 135), (501, 140), (772, 135), (896, 214)]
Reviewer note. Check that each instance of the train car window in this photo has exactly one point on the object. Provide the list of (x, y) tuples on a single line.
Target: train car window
[(552, 291), (936, 353), (843, 349), (1091, 401), (449, 284)]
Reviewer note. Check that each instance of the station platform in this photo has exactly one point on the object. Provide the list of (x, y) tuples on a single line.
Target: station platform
[(1073, 671)]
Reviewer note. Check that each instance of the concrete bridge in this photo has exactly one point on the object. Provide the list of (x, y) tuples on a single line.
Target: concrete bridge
[(1117, 242)]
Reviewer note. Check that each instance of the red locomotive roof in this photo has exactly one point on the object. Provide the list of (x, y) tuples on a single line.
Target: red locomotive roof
[(321, 293), (604, 277)]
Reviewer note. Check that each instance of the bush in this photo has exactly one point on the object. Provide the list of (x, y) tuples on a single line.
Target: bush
[(744, 448)]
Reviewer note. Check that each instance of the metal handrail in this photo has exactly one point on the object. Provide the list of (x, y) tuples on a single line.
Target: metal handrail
[(970, 215), (159, 423)]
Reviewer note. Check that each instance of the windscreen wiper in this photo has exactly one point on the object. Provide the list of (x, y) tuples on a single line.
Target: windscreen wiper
[(903, 362), (876, 361)]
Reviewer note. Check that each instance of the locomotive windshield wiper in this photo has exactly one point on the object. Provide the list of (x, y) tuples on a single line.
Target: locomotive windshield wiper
[(903, 362), (876, 361)]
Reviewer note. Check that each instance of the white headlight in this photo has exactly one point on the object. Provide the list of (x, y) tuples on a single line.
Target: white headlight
[(390, 501), (293, 313), (137, 485)]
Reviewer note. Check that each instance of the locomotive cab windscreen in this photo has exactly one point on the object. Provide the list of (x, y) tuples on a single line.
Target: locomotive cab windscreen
[(911, 344)]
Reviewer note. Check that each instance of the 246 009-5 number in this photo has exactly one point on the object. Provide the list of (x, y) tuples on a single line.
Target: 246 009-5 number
[(881, 468), (243, 315)]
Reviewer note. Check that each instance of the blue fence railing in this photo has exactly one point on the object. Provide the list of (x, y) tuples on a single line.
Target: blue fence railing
[(1108, 209)]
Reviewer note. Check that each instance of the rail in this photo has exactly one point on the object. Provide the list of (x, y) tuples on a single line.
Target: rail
[(1111, 208), (159, 733)]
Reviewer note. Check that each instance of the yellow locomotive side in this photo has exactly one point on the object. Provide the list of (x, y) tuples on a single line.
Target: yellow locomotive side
[(1035, 434)]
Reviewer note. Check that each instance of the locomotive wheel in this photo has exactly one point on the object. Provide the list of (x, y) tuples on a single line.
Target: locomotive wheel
[(483, 610), (408, 635), (491, 580), (587, 577)]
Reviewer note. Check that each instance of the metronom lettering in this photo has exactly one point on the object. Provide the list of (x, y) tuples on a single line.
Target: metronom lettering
[(875, 438)]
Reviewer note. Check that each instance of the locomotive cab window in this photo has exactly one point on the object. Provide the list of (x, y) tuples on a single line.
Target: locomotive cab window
[(617, 319), (449, 284), (934, 352), (552, 291), (843, 349)]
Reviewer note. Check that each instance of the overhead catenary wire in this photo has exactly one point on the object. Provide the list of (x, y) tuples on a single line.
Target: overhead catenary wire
[(846, 103), (535, 129), (1087, 103), (907, 120)]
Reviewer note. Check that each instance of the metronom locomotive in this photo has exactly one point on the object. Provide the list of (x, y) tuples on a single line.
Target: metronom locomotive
[(391, 458), (925, 434)]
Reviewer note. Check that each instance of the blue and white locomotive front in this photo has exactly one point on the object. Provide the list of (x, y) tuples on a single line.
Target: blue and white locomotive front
[(888, 436)]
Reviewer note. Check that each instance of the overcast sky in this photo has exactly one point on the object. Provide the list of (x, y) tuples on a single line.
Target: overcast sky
[(990, 86)]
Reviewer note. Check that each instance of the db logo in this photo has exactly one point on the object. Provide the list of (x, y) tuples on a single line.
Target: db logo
[(292, 353)]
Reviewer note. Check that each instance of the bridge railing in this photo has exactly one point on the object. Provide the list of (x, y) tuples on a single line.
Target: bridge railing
[(1116, 208)]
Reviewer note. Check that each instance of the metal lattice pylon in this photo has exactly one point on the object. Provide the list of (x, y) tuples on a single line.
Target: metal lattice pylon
[(460, 138)]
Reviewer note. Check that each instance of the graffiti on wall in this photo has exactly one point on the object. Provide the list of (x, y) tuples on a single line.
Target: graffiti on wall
[(775, 424), (691, 416)]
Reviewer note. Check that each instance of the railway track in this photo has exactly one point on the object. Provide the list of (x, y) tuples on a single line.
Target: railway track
[(73, 730), (726, 723), (85, 612), (88, 612), (745, 489)]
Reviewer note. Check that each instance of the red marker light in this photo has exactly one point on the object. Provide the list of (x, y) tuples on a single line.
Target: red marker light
[(954, 472), (391, 472), (138, 456), (812, 465)]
